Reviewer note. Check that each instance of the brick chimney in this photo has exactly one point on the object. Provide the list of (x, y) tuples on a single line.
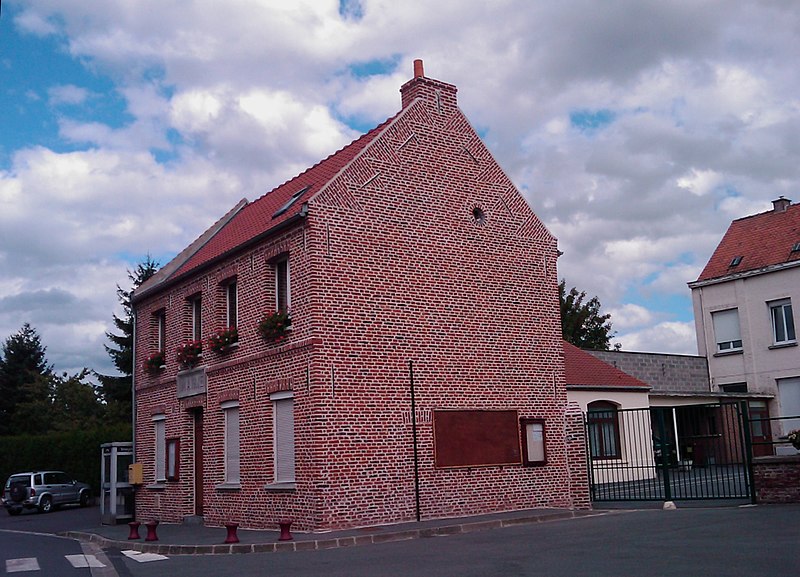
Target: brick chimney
[(781, 204), (439, 95)]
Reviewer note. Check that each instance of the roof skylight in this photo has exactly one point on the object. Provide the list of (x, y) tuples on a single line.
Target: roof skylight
[(736, 261), (290, 202)]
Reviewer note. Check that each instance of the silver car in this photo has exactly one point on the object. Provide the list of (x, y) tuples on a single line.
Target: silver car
[(43, 490)]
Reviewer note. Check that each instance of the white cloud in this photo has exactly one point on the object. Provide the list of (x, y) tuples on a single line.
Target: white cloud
[(630, 316), (706, 128), (665, 337), (67, 94)]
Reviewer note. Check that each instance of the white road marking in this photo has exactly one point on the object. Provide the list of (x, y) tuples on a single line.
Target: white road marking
[(140, 557), (22, 564), (84, 561)]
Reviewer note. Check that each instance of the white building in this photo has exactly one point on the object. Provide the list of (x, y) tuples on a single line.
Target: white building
[(743, 311)]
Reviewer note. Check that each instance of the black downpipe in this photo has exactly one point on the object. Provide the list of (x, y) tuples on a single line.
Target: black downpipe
[(414, 434)]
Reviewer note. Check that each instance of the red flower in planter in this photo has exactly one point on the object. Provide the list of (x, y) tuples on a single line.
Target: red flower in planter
[(189, 353), (273, 326), (223, 338), (154, 362)]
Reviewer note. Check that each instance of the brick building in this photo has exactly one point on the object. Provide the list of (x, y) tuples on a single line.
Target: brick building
[(415, 276)]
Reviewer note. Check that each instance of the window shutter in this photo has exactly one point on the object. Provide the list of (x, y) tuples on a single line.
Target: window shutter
[(232, 445), (284, 440), (726, 325), (160, 456)]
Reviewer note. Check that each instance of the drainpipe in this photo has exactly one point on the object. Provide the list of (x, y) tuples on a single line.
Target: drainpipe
[(133, 388), (414, 435)]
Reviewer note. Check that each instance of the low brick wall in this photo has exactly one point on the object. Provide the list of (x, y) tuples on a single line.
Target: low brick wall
[(777, 479)]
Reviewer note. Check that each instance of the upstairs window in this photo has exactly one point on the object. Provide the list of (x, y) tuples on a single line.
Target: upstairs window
[(195, 312), (726, 330), (282, 288), (231, 316), (161, 330), (782, 322)]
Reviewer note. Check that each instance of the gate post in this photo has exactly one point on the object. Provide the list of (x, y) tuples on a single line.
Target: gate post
[(664, 454), (747, 447)]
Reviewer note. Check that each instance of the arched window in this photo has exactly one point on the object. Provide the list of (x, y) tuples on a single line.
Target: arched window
[(603, 421)]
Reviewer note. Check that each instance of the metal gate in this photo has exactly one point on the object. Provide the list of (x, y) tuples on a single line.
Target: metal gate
[(686, 452)]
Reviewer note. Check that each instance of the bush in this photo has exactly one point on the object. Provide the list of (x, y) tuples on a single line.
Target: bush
[(75, 452)]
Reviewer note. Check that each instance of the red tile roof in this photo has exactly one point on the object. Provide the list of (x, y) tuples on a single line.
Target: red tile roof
[(584, 370), (762, 240), (261, 215)]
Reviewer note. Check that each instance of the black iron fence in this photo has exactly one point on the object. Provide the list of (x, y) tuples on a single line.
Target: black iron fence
[(670, 453), (770, 434)]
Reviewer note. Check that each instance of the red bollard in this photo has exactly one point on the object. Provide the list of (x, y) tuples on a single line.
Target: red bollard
[(231, 538), (134, 534), (285, 525), (151, 531)]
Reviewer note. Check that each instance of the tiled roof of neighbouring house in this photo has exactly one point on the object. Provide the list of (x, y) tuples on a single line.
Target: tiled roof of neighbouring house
[(584, 370), (757, 242)]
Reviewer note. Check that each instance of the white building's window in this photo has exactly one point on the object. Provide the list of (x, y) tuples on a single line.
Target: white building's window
[(159, 424), (782, 321), (726, 330), (231, 411), (283, 423)]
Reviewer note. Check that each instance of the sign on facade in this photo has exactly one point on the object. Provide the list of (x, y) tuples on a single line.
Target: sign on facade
[(191, 383)]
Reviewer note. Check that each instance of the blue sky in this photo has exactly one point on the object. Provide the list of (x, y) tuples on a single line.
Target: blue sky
[(636, 130)]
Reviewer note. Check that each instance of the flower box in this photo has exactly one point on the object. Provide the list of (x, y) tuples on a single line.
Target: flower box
[(224, 339), (794, 439), (273, 326), (155, 362), (189, 353)]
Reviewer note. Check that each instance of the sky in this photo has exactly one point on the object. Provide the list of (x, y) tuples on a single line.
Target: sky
[(637, 130)]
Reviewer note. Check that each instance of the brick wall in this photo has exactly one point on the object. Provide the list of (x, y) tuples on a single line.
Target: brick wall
[(777, 479), (665, 373), (421, 252)]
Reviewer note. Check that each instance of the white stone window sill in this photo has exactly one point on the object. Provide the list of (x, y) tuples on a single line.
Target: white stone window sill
[(229, 487), (158, 485), (729, 353), (783, 345), (290, 486)]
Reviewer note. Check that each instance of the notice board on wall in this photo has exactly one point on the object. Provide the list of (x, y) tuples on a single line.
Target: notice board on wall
[(475, 438)]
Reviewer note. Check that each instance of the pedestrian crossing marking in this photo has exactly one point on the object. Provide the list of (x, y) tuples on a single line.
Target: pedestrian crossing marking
[(84, 561), (22, 564), (140, 557)]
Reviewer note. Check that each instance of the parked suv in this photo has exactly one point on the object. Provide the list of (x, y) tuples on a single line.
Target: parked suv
[(43, 490)]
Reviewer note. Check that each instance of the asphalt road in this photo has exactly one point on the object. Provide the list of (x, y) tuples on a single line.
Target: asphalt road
[(725, 542), (69, 517), (26, 553), (729, 542)]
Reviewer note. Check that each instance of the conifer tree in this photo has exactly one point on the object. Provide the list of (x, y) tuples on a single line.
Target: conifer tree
[(26, 381), (117, 388)]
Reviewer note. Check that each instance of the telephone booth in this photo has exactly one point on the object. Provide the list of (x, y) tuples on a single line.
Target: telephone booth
[(116, 504)]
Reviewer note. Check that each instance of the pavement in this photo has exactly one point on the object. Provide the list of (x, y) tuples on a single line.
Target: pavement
[(195, 539)]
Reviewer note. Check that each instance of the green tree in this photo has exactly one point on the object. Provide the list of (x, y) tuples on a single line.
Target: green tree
[(117, 388), (25, 382), (581, 322), (76, 403)]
